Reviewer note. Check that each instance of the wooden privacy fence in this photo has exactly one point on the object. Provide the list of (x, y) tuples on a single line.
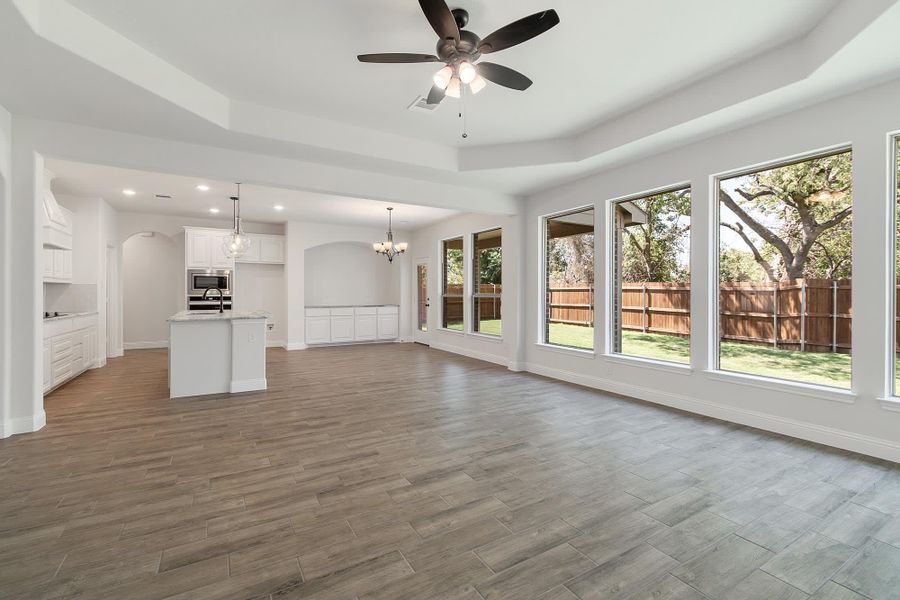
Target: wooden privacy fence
[(489, 307), (811, 315)]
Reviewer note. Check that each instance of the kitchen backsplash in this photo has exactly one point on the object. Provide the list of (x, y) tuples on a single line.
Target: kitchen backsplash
[(71, 298)]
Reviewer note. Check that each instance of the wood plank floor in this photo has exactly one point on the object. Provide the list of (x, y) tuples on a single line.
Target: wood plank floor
[(400, 472)]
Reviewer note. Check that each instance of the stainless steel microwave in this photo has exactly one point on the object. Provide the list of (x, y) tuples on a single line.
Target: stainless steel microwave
[(199, 280)]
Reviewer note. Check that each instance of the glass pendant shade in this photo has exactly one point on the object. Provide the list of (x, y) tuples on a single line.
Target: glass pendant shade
[(237, 243), (453, 88), (442, 78), (477, 84), (467, 72)]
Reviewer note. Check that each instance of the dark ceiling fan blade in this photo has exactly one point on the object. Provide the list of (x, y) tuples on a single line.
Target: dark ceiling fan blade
[(397, 57), (435, 95), (519, 31), (442, 21), (503, 76)]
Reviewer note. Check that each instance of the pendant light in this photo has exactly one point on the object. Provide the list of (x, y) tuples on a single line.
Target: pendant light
[(389, 248), (237, 243)]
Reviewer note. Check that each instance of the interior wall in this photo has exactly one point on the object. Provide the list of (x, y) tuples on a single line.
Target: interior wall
[(262, 287), (152, 270), (343, 273), (5, 230), (859, 420), (426, 246), (301, 236)]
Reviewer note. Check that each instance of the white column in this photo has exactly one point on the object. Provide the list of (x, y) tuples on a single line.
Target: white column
[(514, 295), (704, 284), (294, 283), (5, 265), (26, 287)]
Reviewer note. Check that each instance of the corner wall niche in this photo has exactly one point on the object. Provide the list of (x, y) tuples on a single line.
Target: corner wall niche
[(349, 273)]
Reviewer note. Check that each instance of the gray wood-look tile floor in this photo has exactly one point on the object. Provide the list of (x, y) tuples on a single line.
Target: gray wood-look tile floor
[(401, 472)]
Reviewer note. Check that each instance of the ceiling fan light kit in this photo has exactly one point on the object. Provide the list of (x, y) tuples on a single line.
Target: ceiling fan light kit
[(460, 49)]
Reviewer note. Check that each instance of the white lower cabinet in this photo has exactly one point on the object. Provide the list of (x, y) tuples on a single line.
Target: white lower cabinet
[(347, 324), (71, 346)]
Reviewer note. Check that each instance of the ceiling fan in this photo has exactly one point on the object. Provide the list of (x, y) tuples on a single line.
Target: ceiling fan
[(459, 50)]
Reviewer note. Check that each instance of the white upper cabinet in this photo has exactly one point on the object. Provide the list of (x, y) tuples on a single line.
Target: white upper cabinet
[(56, 220), (203, 249), (265, 248), (217, 251)]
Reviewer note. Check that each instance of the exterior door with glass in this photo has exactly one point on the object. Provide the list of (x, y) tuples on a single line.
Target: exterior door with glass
[(423, 302)]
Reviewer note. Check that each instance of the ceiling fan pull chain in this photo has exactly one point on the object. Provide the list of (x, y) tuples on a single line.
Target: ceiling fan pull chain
[(463, 114)]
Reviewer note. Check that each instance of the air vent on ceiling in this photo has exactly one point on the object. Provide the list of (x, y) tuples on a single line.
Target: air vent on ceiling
[(164, 196), (420, 104)]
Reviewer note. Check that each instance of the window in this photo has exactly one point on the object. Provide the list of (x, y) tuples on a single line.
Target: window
[(569, 279), (784, 268), (452, 291), (650, 279), (896, 283), (487, 268)]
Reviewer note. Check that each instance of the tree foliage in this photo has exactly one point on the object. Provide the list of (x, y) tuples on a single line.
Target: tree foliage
[(795, 220), (657, 250), (570, 260), (490, 264)]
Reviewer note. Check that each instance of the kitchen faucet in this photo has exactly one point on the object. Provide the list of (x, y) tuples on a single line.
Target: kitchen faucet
[(221, 298)]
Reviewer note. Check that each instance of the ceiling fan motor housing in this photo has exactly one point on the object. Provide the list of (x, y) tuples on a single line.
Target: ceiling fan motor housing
[(451, 51)]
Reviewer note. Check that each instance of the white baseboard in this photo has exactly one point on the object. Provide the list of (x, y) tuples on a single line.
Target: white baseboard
[(146, 345), (296, 346), (275, 344), (518, 367), (19, 425), (485, 356), (247, 385), (829, 436)]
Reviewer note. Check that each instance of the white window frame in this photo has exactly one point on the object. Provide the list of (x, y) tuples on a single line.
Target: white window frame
[(608, 352), (543, 329), (476, 284), (443, 265), (714, 371), (891, 398)]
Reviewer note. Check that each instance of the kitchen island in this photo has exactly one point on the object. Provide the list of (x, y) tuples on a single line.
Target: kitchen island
[(217, 353)]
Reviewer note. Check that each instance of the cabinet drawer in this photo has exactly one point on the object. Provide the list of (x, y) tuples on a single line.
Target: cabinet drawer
[(318, 312), (57, 327), (62, 372), (342, 312), (366, 310), (60, 348), (388, 310), (84, 322)]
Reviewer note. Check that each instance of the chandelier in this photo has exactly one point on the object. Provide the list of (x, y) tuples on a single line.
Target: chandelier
[(389, 248), (237, 243)]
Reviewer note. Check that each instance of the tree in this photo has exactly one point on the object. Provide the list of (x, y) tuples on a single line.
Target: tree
[(570, 259), (739, 265), (787, 216), (655, 250), (490, 265)]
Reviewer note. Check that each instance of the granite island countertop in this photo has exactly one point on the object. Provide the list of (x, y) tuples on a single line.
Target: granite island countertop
[(214, 315)]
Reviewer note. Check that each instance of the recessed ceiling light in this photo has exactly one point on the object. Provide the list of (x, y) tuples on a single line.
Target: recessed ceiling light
[(203, 187), (278, 207), (214, 211), (129, 192)]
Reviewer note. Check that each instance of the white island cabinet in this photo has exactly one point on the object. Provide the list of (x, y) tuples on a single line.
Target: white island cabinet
[(352, 324), (217, 353)]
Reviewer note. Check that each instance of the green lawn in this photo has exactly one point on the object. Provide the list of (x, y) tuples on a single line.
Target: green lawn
[(824, 368)]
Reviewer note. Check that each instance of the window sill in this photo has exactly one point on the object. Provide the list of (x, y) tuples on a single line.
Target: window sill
[(566, 350), (453, 331), (660, 365), (891, 403), (820, 392), (487, 337)]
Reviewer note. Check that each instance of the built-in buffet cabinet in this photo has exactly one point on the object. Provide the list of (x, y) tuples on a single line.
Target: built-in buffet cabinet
[(71, 346), (351, 324)]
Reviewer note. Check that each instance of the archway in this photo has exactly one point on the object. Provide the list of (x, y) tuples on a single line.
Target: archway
[(152, 288)]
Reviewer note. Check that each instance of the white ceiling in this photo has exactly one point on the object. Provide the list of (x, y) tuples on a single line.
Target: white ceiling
[(257, 202), (279, 82), (605, 57)]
